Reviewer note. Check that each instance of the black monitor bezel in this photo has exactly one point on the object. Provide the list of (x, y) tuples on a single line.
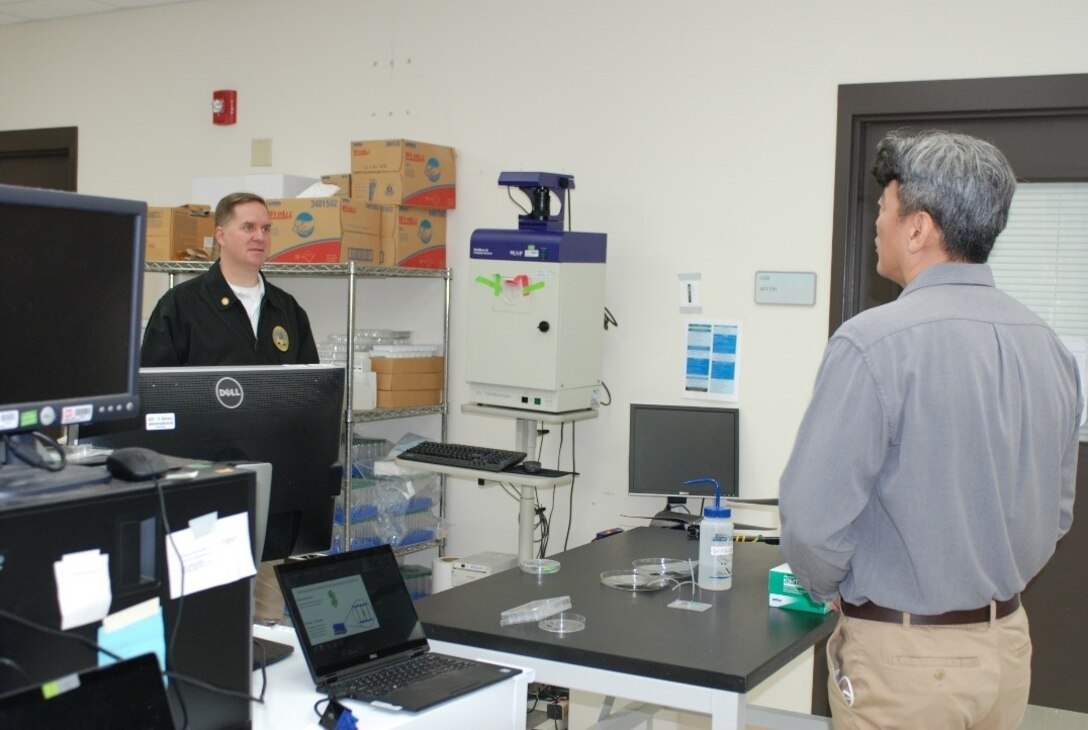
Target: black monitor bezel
[(187, 422), (104, 406), (730, 481)]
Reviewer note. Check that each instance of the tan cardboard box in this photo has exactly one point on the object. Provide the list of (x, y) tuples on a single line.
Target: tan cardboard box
[(172, 231), (342, 181), (305, 230), (362, 248), (404, 172), (360, 216), (408, 398), (205, 234), (157, 249), (407, 364), (410, 381), (309, 230), (413, 237)]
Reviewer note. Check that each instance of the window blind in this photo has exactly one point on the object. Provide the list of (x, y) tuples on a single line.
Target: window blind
[(1041, 258)]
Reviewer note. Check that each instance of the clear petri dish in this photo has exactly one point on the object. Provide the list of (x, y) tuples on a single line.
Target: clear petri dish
[(670, 567), (541, 566), (634, 580), (563, 623)]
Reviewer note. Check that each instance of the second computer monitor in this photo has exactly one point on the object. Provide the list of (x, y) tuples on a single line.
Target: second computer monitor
[(287, 415), (672, 444)]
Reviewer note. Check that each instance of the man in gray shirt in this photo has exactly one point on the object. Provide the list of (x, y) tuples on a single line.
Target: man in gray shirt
[(934, 470)]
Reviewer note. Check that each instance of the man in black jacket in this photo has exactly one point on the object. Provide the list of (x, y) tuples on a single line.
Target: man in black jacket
[(231, 315)]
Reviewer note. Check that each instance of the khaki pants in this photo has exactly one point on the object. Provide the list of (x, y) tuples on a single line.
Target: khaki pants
[(267, 598), (893, 676)]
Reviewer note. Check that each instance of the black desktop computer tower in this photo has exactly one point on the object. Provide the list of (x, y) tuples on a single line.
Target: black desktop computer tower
[(125, 521)]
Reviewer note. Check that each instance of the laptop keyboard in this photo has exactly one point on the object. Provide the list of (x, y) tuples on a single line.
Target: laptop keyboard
[(383, 681)]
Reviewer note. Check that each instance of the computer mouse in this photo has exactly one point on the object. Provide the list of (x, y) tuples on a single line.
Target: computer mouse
[(531, 467), (136, 464)]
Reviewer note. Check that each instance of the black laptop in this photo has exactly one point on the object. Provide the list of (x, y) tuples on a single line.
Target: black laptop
[(125, 694), (362, 638)]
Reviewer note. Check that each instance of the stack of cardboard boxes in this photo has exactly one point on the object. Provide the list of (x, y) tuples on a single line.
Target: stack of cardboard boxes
[(320, 230), (415, 183), (407, 382), (392, 210)]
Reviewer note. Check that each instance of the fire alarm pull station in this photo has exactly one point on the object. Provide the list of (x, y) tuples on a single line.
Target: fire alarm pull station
[(224, 106)]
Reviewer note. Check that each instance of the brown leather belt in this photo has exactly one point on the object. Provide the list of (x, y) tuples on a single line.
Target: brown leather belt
[(872, 612)]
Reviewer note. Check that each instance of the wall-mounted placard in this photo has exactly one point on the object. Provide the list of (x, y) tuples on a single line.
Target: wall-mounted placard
[(786, 287)]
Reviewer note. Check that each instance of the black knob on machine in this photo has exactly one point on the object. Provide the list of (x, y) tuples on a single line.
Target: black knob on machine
[(543, 326)]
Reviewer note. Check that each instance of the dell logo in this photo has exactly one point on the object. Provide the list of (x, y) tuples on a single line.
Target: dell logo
[(228, 392)]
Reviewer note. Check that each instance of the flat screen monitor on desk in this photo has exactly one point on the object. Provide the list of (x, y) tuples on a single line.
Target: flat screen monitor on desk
[(287, 415), (673, 444), (71, 277)]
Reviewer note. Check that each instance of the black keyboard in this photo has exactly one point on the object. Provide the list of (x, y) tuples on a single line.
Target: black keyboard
[(468, 457), (417, 669)]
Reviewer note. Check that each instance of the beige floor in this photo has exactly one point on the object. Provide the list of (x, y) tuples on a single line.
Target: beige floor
[(1036, 718), (1047, 718)]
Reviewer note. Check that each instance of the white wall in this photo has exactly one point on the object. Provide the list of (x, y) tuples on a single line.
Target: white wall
[(701, 135)]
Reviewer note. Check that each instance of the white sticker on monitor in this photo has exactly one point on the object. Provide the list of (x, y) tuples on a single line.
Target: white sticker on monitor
[(76, 414), (159, 422), (9, 420)]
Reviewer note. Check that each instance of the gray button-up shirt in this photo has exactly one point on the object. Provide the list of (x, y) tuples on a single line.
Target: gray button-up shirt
[(934, 469)]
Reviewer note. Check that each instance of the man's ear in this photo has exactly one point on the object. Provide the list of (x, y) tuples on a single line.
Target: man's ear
[(923, 232)]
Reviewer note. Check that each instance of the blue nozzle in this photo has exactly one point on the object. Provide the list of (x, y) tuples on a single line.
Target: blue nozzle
[(717, 510)]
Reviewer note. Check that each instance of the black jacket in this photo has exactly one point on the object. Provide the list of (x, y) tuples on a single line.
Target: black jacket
[(201, 322)]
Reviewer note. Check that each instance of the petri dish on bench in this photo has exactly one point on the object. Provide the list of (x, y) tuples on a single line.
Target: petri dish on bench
[(563, 623), (634, 580), (540, 566), (670, 567)]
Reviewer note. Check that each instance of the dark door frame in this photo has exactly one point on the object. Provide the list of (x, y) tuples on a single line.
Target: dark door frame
[(931, 104), (60, 143)]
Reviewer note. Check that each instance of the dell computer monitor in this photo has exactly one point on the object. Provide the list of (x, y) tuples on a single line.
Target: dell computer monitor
[(672, 444), (71, 287), (287, 415)]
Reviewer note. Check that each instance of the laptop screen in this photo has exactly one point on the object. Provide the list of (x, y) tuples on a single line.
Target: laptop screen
[(350, 609), (129, 693)]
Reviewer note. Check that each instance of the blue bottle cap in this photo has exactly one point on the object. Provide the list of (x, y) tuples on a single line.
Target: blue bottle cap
[(716, 510)]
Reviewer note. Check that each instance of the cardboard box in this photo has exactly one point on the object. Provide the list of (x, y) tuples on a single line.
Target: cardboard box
[(342, 181), (786, 592), (171, 232), (309, 230), (362, 248), (205, 235), (403, 172), (408, 398), (360, 216), (411, 381), (413, 237), (407, 364), (305, 230)]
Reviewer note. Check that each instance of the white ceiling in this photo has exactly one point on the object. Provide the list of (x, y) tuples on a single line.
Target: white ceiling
[(27, 11)]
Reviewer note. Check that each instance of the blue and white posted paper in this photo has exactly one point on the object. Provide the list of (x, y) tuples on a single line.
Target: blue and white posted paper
[(711, 359)]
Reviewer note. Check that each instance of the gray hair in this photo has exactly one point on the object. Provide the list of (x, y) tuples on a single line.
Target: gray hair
[(964, 183)]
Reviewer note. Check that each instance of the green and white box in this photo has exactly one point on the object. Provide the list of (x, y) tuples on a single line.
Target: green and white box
[(786, 592)]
